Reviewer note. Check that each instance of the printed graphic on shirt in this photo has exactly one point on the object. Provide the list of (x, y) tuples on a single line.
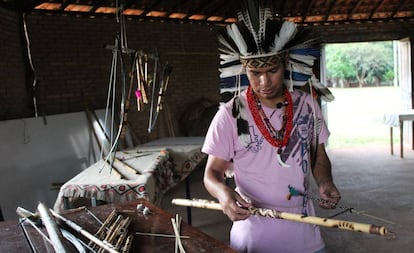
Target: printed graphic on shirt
[(256, 140), (298, 147)]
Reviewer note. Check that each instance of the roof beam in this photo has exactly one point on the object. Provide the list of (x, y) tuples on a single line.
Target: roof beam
[(65, 4), (402, 4), (308, 10), (355, 7), (332, 5), (375, 9), (150, 8)]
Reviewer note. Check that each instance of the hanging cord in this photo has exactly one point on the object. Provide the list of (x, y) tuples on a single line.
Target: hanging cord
[(120, 47), (238, 84), (115, 141), (291, 77), (29, 55), (112, 81), (295, 192), (120, 19), (124, 40)]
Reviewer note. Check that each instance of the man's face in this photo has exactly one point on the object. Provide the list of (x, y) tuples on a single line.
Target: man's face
[(266, 82)]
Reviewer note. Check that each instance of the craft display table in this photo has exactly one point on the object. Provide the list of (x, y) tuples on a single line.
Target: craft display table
[(397, 120), (146, 171), (157, 221)]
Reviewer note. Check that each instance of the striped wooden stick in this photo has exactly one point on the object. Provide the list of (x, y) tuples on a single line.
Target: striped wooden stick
[(340, 224)]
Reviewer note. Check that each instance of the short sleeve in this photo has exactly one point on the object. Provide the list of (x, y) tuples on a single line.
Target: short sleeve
[(219, 139)]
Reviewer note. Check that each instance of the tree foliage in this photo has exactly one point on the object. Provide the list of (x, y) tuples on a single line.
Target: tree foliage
[(364, 63)]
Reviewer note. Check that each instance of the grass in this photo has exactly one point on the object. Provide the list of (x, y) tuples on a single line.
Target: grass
[(355, 117)]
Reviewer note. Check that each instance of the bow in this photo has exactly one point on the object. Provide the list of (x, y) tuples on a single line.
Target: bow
[(340, 224), (295, 192)]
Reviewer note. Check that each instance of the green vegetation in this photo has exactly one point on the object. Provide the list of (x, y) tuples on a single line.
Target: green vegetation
[(360, 64)]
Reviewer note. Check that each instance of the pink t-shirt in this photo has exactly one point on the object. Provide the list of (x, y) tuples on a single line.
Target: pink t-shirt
[(260, 178)]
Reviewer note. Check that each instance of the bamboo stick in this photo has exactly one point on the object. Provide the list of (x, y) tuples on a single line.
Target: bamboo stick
[(52, 229), (107, 246)]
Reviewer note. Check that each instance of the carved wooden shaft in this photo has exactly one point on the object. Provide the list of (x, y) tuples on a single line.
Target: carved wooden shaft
[(340, 224)]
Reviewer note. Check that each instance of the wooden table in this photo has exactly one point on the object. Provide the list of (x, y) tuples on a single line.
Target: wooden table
[(157, 222), (397, 120), (146, 171)]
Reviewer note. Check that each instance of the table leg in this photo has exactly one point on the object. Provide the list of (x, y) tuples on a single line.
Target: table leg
[(392, 140), (66, 203), (401, 139), (188, 196)]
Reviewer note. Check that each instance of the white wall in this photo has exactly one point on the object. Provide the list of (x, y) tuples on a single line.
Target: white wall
[(36, 152)]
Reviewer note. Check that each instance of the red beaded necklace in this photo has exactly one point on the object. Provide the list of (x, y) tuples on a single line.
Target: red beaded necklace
[(278, 138)]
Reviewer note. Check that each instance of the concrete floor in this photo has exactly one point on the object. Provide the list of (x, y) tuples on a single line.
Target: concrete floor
[(370, 180)]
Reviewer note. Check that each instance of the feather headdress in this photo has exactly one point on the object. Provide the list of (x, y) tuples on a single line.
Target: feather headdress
[(261, 38)]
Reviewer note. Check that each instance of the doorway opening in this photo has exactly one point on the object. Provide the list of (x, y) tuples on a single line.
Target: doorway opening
[(356, 116)]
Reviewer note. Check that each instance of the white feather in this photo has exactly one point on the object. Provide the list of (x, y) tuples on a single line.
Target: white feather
[(286, 33), (228, 58), (231, 71), (230, 53), (315, 82), (226, 44), (327, 95), (304, 44), (299, 68), (235, 34), (289, 83), (242, 116), (307, 59)]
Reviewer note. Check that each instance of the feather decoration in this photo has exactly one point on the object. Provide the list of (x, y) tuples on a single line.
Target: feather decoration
[(231, 71), (265, 14), (227, 41), (259, 33), (272, 29), (300, 68), (229, 57), (237, 37), (255, 15), (293, 83), (228, 60), (226, 48), (323, 91), (251, 13), (248, 38), (239, 112), (313, 51), (307, 60), (297, 77), (244, 18), (286, 33)]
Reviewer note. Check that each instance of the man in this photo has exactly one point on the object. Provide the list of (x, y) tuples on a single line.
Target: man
[(271, 135)]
